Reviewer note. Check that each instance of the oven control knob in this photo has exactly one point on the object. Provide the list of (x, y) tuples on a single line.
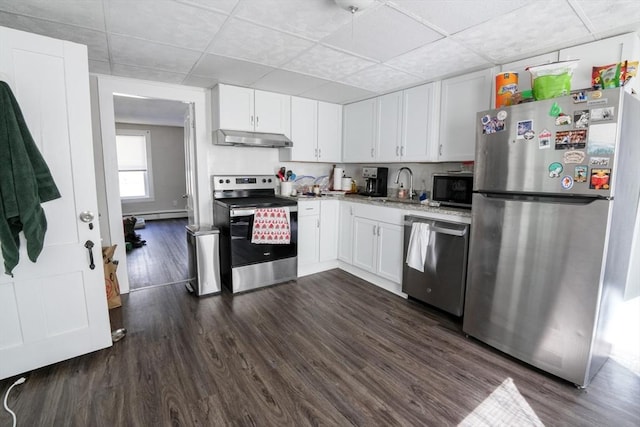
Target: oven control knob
[(228, 181), (221, 181), (264, 180), (269, 179)]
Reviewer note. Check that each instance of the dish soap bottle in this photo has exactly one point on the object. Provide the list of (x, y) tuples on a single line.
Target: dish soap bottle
[(402, 192)]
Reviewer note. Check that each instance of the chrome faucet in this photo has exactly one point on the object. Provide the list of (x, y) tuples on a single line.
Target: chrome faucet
[(410, 179)]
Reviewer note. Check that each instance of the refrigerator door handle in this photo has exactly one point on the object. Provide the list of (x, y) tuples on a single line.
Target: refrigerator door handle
[(538, 198)]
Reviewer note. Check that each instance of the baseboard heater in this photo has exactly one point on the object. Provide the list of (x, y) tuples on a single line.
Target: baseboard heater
[(181, 213)]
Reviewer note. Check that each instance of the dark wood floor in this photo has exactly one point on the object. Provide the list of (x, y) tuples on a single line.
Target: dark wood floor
[(329, 349), (163, 259)]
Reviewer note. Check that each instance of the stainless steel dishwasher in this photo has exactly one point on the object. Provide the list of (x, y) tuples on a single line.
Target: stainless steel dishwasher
[(442, 284)]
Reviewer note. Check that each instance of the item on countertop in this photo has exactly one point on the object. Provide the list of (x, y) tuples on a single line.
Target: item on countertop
[(402, 192), (354, 186), (288, 175), (316, 189), (552, 80), (506, 87)]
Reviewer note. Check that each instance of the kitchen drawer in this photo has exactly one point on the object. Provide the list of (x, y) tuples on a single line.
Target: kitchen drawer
[(378, 213), (308, 208)]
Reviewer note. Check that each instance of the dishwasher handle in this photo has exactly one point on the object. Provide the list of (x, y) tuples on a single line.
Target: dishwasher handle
[(458, 230)]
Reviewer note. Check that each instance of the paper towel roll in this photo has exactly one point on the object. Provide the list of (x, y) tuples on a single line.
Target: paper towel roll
[(337, 178)]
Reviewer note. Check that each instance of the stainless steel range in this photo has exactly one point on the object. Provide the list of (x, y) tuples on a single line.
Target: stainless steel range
[(247, 262)]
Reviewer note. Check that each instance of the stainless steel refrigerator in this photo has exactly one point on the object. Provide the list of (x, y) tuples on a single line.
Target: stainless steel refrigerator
[(556, 193)]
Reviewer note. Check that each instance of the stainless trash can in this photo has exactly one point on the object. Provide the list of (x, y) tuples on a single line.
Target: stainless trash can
[(203, 246)]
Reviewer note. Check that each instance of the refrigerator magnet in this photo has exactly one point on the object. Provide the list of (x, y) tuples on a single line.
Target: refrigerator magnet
[(573, 156), (502, 115), (600, 178), (581, 119), (602, 139), (555, 169), (544, 139), (602, 114), (580, 174), (566, 182), (524, 127), (599, 161), (579, 97), (571, 139), (563, 120)]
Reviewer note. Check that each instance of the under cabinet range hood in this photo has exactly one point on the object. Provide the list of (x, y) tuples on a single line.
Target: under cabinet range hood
[(250, 139)]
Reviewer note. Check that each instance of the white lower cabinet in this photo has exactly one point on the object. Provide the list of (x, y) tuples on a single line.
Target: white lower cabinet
[(317, 236), (377, 248), (372, 247), (345, 234)]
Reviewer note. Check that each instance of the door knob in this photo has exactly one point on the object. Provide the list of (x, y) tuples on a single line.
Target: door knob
[(86, 216)]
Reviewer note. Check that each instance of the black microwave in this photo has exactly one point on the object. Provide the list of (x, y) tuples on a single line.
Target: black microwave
[(453, 189)]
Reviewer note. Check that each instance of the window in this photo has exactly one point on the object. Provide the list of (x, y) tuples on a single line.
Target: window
[(134, 164)]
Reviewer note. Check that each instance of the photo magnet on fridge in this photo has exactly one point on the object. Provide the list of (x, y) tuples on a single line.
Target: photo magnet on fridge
[(600, 179), (555, 169), (524, 129), (544, 139), (602, 114), (581, 119), (602, 139), (571, 139), (580, 174)]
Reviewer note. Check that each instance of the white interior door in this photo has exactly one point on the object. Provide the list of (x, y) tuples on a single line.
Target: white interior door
[(54, 309), (189, 161)]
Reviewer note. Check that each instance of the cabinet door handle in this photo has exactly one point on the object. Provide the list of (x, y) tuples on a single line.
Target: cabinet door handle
[(440, 150), (397, 151), (251, 120), (372, 153), (317, 223), (89, 245), (257, 121), (402, 151), (378, 227), (374, 230), (319, 152), (315, 152)]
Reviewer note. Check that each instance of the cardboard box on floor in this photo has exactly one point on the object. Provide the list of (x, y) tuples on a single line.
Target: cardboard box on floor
[(110, 277)]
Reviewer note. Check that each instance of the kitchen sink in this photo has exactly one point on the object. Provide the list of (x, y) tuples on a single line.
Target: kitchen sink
[(393, 200)]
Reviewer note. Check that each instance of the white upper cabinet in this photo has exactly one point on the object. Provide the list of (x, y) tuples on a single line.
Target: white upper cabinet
[(389, 131), (239, 108), (359, 132), (304, 125), (316, 131), (420, 123), (601, 52), (329, 132), (462, 98)]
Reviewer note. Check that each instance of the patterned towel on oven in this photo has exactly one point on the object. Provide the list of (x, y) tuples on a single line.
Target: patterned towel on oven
[(271, 225)]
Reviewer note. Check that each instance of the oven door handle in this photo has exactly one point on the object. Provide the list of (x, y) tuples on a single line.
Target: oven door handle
[(252, 210)]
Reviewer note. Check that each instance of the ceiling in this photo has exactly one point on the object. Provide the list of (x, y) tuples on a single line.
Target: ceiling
[(313, 48)]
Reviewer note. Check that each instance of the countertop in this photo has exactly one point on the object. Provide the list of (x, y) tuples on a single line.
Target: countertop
[(410, 206)]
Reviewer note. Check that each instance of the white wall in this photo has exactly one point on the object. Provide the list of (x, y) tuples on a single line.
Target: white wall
[(167, 162)]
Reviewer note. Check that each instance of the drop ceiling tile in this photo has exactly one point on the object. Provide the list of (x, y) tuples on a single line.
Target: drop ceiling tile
[(244, 40), (337, 93), (229, 70), (440, 58), (380, 78), (225, 6), (288, 82), (381, 34), (165, 22), (146, 73), (140, 53), (327, 63), (536, 31), (315, 20), (456, 15), (95, 41), (83, 13), (607, 14), (198, 81), (99, 67)]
